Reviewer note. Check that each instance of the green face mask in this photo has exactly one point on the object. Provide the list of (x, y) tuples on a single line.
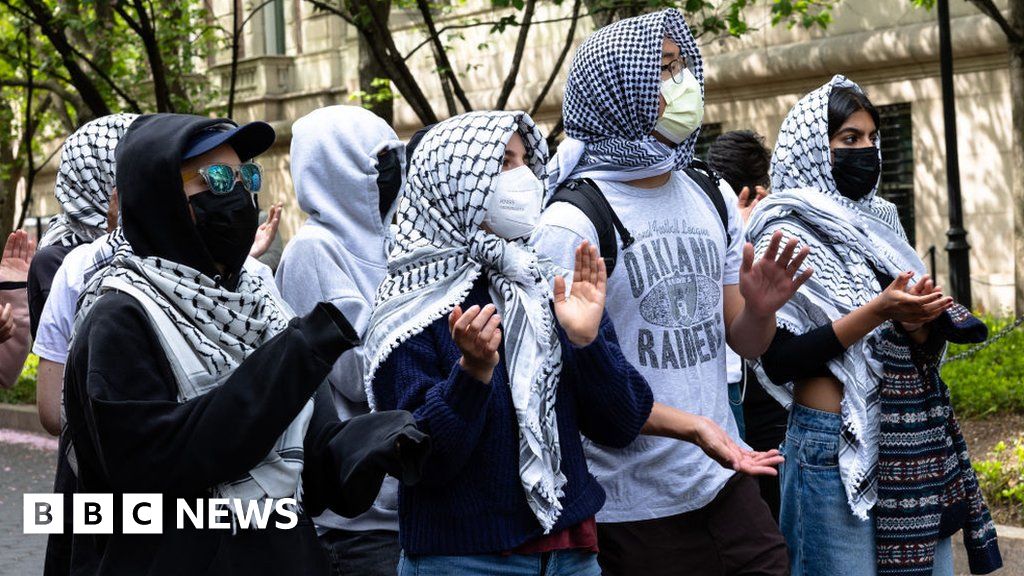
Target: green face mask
[(684, 107)]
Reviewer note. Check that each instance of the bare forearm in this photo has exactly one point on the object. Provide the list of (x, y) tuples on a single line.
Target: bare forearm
[(49, 385), (750, 335), (857, 324), (671, 422)]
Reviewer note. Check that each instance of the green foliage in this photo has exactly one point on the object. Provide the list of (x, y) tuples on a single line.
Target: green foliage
[(24, 391), (992, 381), (380, 92), (1002, 477)]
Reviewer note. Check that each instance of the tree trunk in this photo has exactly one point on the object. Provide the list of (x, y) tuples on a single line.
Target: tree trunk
[(371, 68)]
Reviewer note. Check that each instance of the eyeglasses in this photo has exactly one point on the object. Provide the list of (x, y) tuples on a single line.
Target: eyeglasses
[(220, 178), (675, 68)]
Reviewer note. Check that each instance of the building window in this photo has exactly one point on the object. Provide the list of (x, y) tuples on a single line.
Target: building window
[(273, 27), (897, 143), (708, 134)]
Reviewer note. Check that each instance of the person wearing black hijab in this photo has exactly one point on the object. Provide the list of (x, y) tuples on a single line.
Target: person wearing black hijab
[(187, 378)]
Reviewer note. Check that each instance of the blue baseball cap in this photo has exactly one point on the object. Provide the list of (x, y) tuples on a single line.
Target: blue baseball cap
[(249, 140)]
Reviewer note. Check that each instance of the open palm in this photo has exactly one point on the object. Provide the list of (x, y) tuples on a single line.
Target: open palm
[(771, 281), (579, 314), (17, 256)]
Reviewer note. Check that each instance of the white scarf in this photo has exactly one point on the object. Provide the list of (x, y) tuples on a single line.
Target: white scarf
[(206, 332), (611, 102), (848, 240), (438, 251)]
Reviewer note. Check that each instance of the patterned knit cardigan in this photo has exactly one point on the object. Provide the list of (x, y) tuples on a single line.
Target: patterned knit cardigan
[(927, 489)]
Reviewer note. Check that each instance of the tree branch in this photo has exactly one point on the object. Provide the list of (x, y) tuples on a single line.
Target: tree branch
[(441, 55), (517, 56), (989, 8), (48, 86), (539, 100)]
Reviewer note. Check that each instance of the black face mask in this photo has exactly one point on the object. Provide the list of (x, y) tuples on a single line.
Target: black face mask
[(856, 171), (227, 224), (389, 179)]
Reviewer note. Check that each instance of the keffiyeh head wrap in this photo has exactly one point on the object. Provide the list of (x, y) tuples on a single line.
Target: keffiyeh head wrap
[(85, 181), (439, 250), (611, 102)]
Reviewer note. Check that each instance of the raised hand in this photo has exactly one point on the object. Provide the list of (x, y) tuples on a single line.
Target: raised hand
[(915, 307), (713, 440), (17, 256), (266, 233), (478, 336), (748, 199), (771, 281), (579, 314)]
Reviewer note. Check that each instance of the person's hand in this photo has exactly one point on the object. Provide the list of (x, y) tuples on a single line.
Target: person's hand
[(770, 282), (17, 256), (748, 200), (478, 336), (579, 314), (266, 233), (713, 440), (6, 323), (915, 307)]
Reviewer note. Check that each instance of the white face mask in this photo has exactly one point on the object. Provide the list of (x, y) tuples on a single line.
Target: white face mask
[(514, 207), (684, 107)]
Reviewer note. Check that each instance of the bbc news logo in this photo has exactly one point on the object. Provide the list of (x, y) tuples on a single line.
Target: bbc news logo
[(143, 513)]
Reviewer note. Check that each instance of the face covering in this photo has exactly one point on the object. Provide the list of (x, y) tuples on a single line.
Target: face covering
[(684, 107), (855, 171), (389, 180), (514, 206), (227, 225)]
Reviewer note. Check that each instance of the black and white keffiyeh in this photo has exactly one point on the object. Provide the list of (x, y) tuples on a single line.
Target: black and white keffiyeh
[(85, 180), (611, 102), (206, 331), (848, 240), (439, 250)]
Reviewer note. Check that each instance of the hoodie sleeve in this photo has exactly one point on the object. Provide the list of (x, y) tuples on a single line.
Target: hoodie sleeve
[(121, 400)]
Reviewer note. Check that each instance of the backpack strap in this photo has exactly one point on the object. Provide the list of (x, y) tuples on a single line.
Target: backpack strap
[(707, 179), (585, 195)]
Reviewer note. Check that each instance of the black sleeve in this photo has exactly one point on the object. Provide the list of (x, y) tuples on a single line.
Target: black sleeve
[(41, 271), (790, 357), (144, 440), (345, 462)]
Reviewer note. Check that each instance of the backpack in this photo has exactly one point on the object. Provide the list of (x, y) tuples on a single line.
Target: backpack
[(585, 195)]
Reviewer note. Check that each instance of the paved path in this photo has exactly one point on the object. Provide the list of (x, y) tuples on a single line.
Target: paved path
[(27, 463)]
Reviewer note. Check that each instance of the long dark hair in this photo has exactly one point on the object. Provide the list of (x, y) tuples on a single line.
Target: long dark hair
[(843, 102)]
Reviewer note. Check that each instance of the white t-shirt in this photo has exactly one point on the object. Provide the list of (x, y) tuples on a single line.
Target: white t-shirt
[(58, 317), (665, 299)]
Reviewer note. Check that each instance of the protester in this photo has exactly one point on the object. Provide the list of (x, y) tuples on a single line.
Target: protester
[(347, 171), (85, 179), (877, 476), (14, 328), (684, 286), (464, 335), (189, 378), (742, 160)]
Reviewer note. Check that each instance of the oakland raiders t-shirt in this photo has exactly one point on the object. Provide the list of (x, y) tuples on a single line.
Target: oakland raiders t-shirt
[(665, 298)]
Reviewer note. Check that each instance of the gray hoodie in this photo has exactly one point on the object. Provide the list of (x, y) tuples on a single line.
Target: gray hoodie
[(338, 254)]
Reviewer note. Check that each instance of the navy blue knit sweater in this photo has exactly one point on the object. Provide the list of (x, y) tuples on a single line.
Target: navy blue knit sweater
[(470, 500)]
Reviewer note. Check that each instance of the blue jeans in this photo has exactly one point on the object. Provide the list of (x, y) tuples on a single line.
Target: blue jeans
[(558, 563), (823, 535)]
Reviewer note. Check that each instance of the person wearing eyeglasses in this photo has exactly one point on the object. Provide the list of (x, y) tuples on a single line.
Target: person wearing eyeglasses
[(189, 378), (681, 499)]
